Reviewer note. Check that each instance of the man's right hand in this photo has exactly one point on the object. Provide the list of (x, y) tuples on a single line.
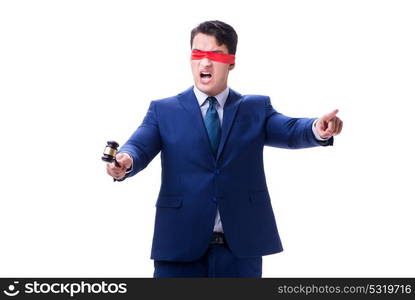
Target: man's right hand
[(125, 162)]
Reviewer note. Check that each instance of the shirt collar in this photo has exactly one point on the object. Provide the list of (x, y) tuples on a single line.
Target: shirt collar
[(221, 97)]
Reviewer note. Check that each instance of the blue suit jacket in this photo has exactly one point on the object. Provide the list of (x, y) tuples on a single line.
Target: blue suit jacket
[(194, 183)]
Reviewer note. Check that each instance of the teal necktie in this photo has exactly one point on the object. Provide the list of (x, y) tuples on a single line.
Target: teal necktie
[(212, 123)]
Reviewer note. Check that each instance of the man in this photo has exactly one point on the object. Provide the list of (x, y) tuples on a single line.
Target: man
[(214, 216)]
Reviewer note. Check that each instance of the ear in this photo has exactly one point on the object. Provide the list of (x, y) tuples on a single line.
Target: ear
[(231, 67)]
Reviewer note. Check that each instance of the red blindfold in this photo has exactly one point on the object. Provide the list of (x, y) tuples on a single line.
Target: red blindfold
[(219, 57)]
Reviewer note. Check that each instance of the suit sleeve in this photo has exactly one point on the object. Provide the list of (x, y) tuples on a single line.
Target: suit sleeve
[(145, 142), (286, 132)]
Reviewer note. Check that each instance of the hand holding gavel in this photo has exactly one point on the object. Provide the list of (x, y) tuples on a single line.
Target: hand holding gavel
[(118, 163)]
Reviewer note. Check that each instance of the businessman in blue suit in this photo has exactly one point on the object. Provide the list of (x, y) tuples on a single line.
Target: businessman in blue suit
[(214, 216)]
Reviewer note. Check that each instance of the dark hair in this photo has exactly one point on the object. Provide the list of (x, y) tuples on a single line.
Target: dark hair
[(223, 33)]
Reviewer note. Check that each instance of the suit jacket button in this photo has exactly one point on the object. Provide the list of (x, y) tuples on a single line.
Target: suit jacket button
[(214, 199), (217, 172)]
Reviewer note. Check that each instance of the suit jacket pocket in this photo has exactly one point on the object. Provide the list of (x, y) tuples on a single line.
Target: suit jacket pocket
[(246, 118), (258, 198), (172, 202)]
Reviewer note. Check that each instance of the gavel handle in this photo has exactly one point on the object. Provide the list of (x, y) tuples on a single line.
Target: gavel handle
[(117, 165)]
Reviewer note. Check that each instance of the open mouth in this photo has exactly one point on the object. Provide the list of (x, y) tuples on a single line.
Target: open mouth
[(205, 77)]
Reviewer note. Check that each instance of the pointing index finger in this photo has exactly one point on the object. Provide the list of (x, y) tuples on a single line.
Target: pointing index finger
[(331, 115)]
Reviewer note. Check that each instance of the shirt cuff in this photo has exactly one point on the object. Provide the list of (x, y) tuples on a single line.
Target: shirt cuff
[(317, 136), (130, 169)]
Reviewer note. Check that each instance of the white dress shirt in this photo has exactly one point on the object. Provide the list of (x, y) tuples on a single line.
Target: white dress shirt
[(221, 97), (204, 105)]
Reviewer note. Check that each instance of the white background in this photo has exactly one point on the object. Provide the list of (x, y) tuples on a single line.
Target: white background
[(74, 74)]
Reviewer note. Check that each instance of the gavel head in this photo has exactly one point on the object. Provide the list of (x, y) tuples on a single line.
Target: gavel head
[(110, 151)]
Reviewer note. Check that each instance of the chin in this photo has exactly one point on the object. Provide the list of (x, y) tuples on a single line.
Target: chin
[(205, 89)]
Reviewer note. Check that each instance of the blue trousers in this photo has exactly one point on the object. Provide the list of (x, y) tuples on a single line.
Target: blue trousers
[(218, 261)]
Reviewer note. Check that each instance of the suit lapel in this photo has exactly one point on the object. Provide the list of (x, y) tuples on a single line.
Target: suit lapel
[(229, 112), (188, 100)]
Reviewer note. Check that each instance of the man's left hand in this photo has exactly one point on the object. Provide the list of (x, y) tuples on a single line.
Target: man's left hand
[(329, 125)]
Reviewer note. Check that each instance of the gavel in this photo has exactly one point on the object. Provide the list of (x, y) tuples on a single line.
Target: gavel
[(110, 151)]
